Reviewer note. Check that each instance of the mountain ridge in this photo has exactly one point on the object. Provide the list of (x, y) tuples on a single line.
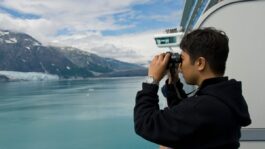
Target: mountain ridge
[(21, 52)]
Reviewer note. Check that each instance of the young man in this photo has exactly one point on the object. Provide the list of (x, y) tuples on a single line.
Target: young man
[(210, 119)]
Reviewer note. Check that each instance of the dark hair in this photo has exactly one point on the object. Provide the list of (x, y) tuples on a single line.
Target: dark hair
[(209, 43)]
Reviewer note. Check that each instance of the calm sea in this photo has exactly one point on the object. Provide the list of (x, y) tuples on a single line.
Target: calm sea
[(70, 114)]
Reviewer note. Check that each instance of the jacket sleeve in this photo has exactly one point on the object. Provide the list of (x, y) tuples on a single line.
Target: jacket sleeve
[(168, 127), (173, 93)]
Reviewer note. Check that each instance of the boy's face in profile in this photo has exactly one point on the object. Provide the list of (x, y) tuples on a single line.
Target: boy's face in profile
[(188, 69)]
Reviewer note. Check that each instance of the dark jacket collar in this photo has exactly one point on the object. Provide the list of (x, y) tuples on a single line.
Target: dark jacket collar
[(212, 81)]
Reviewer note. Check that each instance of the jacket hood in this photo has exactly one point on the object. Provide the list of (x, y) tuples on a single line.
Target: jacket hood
[(230, 93)]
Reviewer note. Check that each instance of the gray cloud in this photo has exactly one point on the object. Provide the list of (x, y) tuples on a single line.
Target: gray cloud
[(110, 50)]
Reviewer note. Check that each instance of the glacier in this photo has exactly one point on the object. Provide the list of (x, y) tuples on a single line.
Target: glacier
[(28, 76)]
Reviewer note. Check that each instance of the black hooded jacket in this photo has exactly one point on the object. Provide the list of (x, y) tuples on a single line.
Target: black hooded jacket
[(211, 119)]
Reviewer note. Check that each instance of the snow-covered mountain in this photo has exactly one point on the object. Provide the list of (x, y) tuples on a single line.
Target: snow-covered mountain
[(20, 52)]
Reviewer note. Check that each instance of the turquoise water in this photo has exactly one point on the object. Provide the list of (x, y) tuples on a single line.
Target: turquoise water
[(70, 114)]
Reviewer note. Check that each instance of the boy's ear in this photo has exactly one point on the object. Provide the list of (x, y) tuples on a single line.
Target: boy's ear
[(201, 63)]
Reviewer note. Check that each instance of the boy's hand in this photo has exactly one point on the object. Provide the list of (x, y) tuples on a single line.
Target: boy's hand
[(158, 66)]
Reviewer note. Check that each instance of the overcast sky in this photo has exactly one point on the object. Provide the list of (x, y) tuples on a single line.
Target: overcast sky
[(120, 29)]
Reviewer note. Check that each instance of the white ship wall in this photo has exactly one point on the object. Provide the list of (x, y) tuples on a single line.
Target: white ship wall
[(244, 23)]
